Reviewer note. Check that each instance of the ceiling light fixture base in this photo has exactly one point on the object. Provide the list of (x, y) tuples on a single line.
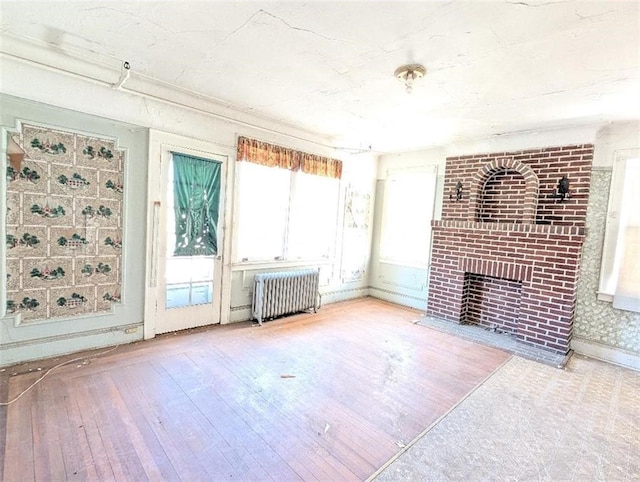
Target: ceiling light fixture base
[(408, 74)]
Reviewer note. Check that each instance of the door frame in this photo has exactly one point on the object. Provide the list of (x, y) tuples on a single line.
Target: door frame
[(159, 144)]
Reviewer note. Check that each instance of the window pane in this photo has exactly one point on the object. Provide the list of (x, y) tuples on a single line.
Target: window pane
[(177, 295), (313, 217), (406, 218), (178, 270), (202, 268), (263, 201), (201, 293)]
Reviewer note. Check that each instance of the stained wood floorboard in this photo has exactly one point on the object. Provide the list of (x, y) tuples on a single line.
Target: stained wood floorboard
[(326, 396)]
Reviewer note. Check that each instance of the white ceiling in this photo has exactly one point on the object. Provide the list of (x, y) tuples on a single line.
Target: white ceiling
[(327, 67)]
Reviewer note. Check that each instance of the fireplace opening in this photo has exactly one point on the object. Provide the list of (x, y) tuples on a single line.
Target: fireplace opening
[(492, 303)]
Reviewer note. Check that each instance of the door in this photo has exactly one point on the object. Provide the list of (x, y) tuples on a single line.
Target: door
[(187, 241)]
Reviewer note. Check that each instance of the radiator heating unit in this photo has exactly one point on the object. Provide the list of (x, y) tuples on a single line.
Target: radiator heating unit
[(283, 293)]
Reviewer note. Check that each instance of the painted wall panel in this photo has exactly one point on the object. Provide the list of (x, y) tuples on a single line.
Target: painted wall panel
[(105, 323)]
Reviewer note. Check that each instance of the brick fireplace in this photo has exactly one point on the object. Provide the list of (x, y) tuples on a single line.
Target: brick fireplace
[(506, 252)]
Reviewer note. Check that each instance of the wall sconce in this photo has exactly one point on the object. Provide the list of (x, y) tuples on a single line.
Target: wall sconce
[(457, 192), (408, 74), (562, 191)]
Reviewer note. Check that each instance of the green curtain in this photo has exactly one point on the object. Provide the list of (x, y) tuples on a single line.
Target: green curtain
[(196, 195)]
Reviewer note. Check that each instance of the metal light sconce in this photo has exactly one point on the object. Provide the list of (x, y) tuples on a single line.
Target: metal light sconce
[(562, 191), (457, 192), (408, 74)]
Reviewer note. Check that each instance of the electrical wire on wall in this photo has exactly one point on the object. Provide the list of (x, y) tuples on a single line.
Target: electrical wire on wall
[(5, 404)]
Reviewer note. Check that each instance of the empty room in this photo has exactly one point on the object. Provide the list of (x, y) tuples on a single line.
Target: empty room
[(320, 241)]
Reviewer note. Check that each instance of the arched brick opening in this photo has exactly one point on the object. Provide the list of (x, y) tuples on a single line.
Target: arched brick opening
[(515, 174)]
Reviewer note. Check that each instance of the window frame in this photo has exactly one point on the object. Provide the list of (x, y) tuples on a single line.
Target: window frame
[(608, 278), (283, 260), (400, 173)]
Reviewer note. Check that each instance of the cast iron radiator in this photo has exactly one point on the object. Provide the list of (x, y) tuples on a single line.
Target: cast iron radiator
[(282, 293)]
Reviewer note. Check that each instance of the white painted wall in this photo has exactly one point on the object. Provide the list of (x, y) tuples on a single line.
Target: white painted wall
[(50, 96), (614, 138), (184, 115)]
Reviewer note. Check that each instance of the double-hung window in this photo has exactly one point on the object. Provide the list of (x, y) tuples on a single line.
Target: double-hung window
[(262, 211), (286, 213), (407, 211), (313, 216)]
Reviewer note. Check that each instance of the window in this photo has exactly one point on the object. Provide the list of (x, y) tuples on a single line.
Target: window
[(285, 215), (313, 216), (620, 271), (196, 199), (263, 205), (407, 211), (189, 269)]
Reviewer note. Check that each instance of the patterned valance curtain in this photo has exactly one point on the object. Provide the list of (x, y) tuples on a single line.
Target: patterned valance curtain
[(196, 196), (259, 152)]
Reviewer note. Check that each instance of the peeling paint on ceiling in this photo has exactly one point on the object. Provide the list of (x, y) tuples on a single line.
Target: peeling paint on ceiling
[(492, 67)]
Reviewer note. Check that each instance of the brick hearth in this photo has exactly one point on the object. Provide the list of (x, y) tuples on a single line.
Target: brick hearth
[(506, 256)]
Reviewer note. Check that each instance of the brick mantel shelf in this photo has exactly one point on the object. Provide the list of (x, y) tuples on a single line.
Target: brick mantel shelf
[(536, 228)]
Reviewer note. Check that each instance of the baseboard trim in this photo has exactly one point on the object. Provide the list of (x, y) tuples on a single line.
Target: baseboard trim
[(344, 295), (399, 298), (239, 314), (24, 351), (605, 353), (243, 313)]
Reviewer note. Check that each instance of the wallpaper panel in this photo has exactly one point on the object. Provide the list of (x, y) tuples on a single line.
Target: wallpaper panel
[(598, 321), (64, 225)]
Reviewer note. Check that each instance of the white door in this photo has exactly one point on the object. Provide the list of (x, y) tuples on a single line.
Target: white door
[(185, 290)]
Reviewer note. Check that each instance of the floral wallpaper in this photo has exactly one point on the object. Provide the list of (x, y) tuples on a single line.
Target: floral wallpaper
[(596, 320), (64, 225)]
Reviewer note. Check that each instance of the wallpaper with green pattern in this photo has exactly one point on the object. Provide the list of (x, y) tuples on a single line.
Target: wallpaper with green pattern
[(64, 224)]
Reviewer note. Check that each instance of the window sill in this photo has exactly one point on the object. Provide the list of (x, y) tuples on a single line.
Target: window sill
[(253, 265), (605, 297)]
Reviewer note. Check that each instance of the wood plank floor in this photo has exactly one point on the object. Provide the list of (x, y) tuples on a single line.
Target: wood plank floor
[(326, 396)]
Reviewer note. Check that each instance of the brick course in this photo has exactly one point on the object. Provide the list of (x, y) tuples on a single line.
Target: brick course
[(507, 254), (540, 170), (491, 302)]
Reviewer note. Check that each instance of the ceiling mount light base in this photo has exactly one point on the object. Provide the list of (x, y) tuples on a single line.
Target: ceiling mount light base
[(408, 74)]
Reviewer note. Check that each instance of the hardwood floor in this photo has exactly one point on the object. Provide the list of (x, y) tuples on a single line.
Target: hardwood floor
[(326, 396)]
